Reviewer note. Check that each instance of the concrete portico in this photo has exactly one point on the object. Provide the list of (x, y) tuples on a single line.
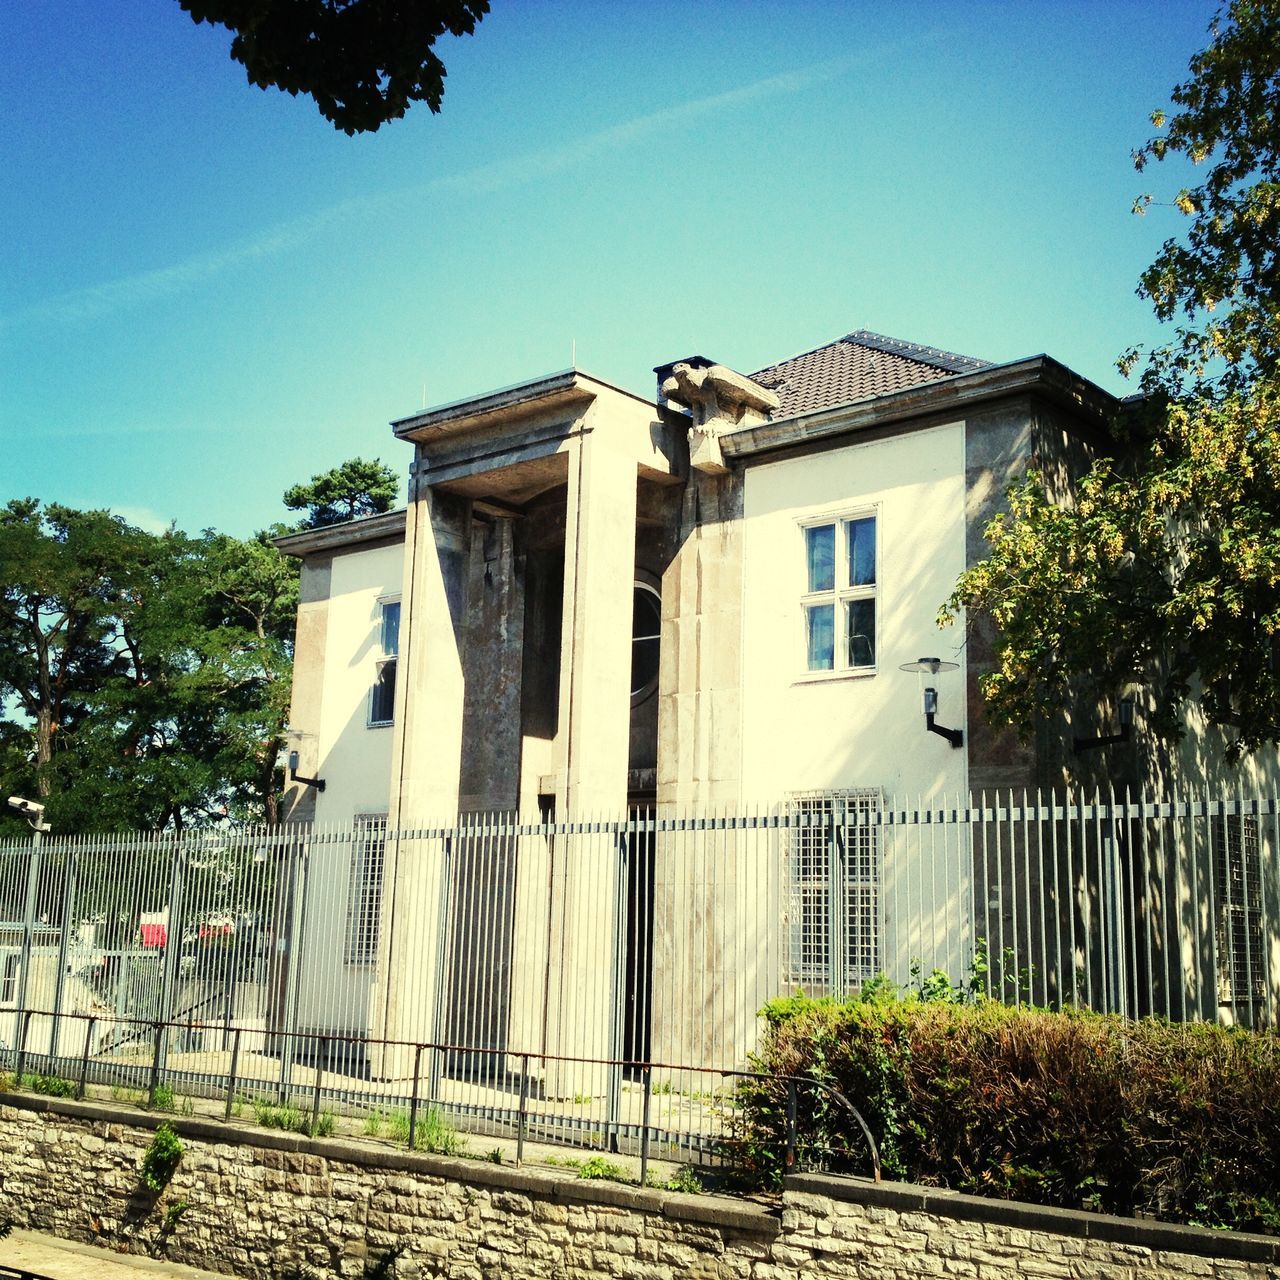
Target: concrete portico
[(497, 480), (520, 563)]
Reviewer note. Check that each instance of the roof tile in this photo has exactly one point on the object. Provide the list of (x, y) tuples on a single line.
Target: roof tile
[(859, 366)]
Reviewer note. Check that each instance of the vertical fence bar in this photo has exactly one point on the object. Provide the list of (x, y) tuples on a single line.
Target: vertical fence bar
[(319, 1070), (1246, 904), (413, 1101), (789, 1159), (84, 1057), (64, 939), (25, 1017), (617, 987), (448, 858), (522, 1112), (644, 1125), (1211, 924), (28, 938), (172, 950), (154, 1084), (231, 1074)]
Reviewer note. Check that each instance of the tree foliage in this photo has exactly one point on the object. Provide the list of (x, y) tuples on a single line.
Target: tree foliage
[(356, 488), (362, 61), (144, 678), (1164, 568)]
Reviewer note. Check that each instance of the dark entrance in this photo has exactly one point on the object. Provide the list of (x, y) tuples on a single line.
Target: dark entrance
[(638, 952)]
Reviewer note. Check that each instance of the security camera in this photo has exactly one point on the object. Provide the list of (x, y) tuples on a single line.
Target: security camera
[(31, 810)]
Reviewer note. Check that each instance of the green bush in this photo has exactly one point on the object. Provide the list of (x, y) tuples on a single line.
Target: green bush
[(1071, 1109), (161, 1159)]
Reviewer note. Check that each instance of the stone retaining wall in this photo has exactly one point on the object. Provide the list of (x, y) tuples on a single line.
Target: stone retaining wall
[(262, 1204)]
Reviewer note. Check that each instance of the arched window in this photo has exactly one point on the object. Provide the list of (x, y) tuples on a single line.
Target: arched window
[(646, 628)]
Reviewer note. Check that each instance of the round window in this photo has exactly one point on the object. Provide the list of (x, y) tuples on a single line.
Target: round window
[(646, 629)]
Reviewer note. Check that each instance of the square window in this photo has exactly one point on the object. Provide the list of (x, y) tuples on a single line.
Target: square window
[(839, 602)]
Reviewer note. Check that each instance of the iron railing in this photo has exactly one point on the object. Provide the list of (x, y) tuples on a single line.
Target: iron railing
[(600, 950), (312, 1093)]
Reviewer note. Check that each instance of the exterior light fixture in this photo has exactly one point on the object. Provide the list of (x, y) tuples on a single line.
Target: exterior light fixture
[(294, 776), (1124, 710), (931, 667)]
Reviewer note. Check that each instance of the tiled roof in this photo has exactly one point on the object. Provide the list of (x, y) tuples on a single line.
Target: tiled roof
[(859, 366)]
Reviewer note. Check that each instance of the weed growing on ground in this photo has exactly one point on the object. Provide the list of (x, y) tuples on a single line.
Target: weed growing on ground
[(54, 1086), (286, 1116), (433, 1133), (597, 1167)]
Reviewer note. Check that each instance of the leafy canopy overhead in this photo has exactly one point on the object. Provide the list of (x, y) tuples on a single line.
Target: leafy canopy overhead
[(1164, 571), (362, 61), (356, 488)]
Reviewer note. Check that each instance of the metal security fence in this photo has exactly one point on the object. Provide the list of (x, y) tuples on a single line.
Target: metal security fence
[(582, 973)]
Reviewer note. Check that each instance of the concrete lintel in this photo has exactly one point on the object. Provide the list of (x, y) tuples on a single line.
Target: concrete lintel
[(569, 386), (464, 459), (1038, 375)]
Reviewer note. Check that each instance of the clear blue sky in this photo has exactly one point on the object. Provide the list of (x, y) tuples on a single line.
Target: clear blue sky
[(209, 294)]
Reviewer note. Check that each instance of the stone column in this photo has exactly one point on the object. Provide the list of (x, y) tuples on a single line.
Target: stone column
[(425, 772), (594, 730)]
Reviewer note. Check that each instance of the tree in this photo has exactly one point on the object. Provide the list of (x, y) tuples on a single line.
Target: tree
[(58, 577), (362, 61), (356, 488), (1165, 568), (144, 679)]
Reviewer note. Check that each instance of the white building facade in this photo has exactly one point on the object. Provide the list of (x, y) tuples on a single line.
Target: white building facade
[(700, 602)]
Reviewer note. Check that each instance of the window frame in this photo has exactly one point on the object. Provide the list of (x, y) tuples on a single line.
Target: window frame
[(837, 857), (362, 927), (839, 596), (646, 690), (10, 963), (382, 660)]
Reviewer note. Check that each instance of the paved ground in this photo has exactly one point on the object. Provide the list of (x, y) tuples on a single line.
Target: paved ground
[(48, 1258)]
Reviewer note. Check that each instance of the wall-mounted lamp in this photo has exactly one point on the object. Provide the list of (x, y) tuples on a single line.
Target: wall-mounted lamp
[(931, 667), (1124, 709), (318, 783)]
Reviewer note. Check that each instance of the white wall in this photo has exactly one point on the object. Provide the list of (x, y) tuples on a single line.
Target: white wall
[(805, 730), (355, 762)]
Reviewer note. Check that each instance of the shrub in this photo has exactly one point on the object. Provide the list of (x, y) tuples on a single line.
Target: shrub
[(161, 1159), (1071, 1109)]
